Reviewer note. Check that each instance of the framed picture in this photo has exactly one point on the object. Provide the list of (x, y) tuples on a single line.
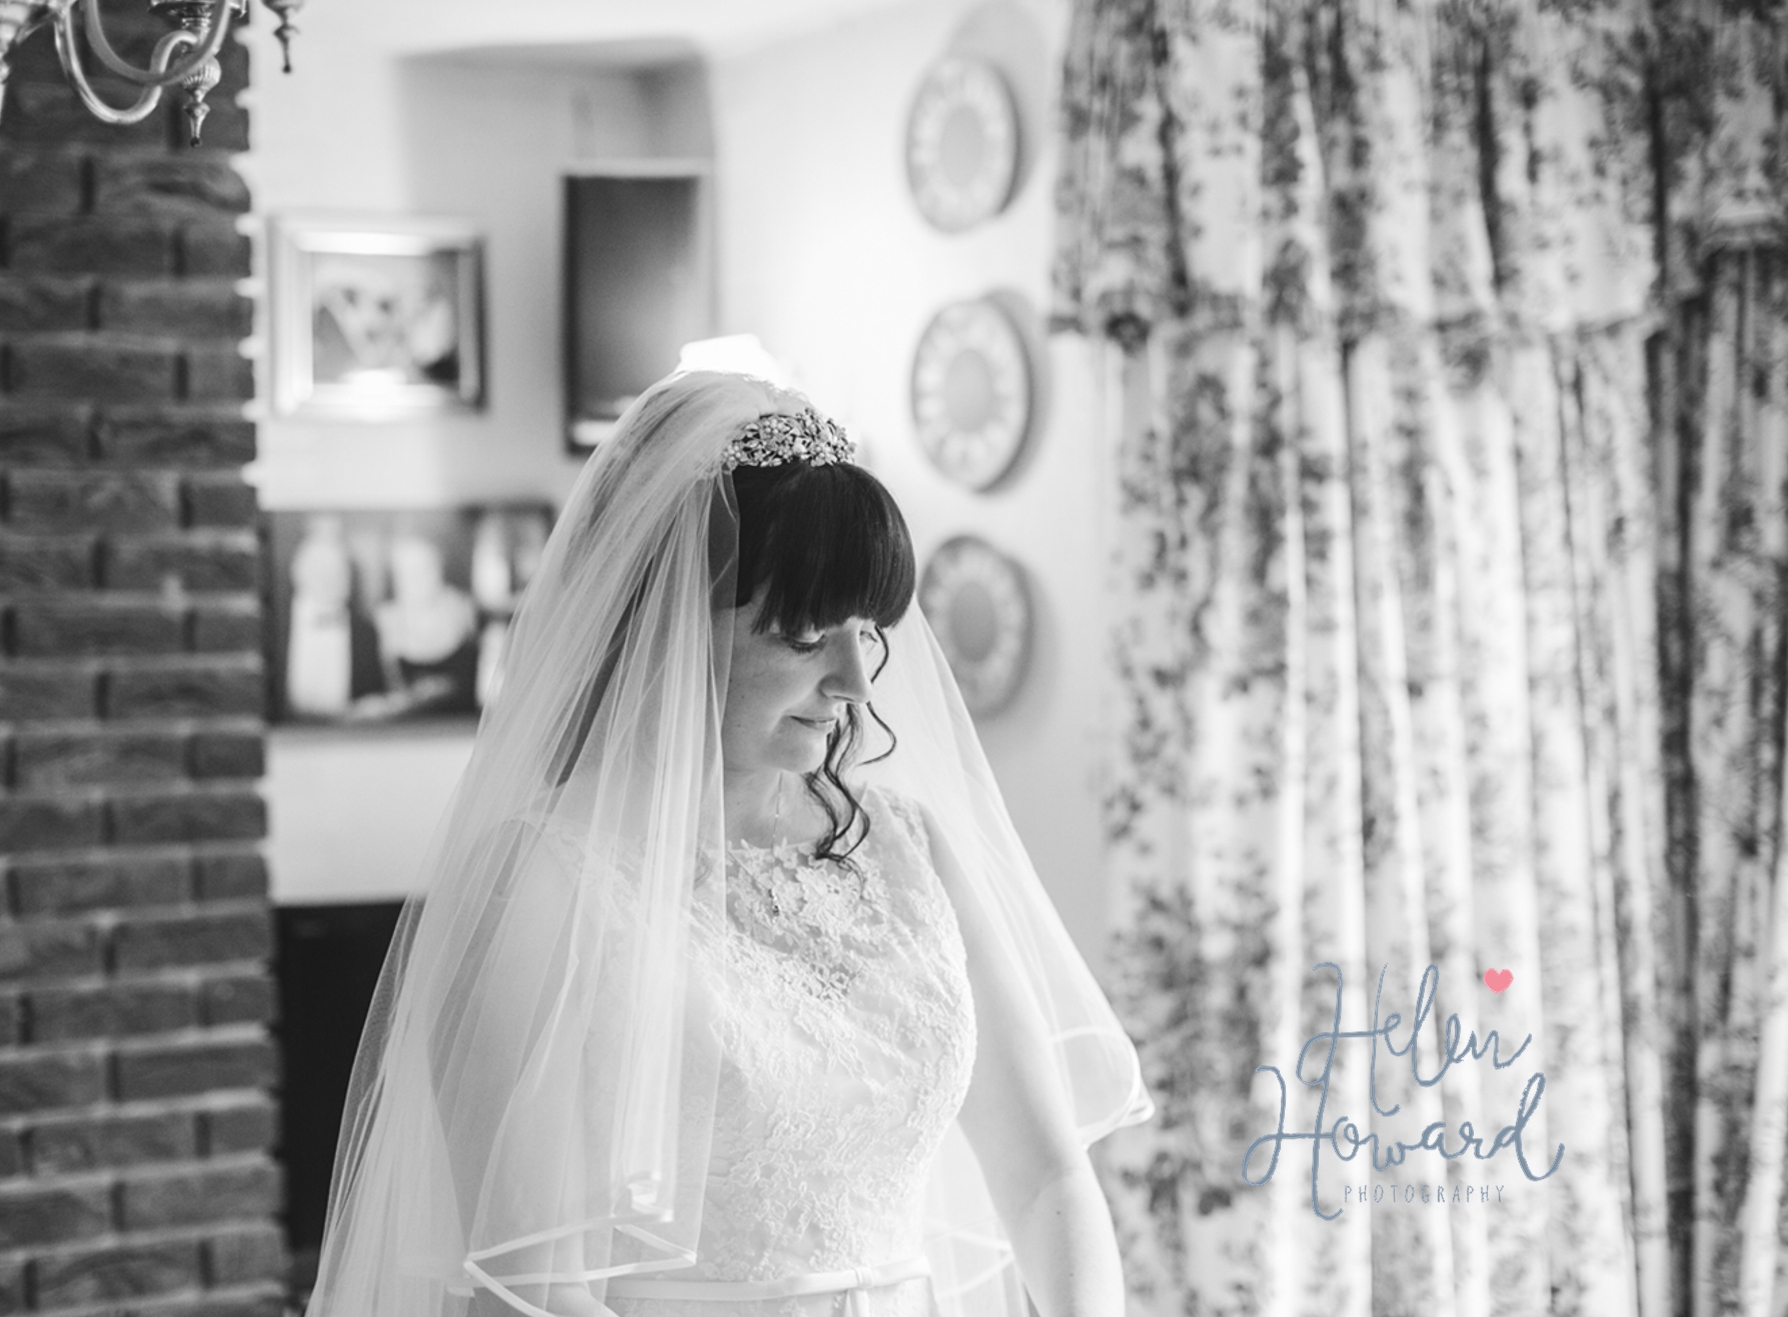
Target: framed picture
[(638, 284), (380, 616), (377, 317)]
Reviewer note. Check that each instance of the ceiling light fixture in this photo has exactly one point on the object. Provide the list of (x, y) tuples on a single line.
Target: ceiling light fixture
[(186, 56)]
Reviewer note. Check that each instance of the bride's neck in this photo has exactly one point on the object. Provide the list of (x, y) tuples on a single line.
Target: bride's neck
[(758, 805)]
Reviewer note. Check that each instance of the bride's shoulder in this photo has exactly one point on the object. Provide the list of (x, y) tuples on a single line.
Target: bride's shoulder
[(904, 839), (519, 844), (899, 812)]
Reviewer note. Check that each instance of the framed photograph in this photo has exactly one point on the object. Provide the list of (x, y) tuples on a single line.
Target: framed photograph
[(638, 286), (374, 318), (387, 615)]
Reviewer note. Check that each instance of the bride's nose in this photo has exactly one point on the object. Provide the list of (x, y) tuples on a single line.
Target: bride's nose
[(848, 678)]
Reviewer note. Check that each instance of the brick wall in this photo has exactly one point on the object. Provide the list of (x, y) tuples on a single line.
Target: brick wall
[(136, 1118)]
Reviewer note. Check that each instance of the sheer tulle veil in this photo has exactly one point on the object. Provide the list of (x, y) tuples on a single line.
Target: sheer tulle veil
[(531, 1107)]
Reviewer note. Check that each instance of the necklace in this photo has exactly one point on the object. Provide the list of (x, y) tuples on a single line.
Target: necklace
[(776, 823)]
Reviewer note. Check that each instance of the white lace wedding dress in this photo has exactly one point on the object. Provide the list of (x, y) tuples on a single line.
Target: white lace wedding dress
[(841, 999)]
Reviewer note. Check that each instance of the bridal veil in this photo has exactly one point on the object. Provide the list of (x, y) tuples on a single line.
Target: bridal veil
[(531, 1107)]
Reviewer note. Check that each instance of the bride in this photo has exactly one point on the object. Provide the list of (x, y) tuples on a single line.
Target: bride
[(733, 992)]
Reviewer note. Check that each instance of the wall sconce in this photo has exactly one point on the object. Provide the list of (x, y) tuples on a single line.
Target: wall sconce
[(186, 56)]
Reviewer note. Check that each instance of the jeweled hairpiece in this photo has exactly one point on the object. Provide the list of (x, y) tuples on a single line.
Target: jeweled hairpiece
[(778, 437)]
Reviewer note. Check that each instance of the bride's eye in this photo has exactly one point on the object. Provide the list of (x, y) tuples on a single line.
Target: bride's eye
[(803, 642)]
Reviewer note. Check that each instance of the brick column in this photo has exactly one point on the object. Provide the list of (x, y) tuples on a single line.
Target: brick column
[(136, 1118)]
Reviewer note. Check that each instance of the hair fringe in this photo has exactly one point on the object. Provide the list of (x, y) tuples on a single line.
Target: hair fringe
[(804, 523)]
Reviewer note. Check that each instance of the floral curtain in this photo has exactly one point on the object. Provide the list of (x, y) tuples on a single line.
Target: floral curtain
[(1449, 588)]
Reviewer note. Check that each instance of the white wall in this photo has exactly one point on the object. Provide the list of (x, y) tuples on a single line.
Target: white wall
[(351, 818), (824, 256), (462, 136), (486, 135), (820, 252)]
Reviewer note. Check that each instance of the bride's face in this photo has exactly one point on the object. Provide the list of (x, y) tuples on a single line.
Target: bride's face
[(786, 693)]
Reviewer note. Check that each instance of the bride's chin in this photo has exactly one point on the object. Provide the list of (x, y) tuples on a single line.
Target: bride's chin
[(804, 759)]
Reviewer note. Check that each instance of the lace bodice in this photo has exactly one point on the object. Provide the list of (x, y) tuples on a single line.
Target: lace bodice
[(841, 999)]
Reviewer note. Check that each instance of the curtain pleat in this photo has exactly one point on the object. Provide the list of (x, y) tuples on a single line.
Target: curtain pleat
[(1450, 573)]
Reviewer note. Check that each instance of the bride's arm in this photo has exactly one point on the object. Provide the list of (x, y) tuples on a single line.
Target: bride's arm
[(509, 964), (1017, 1120)]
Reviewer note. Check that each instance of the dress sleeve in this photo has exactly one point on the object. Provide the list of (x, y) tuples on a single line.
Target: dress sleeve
[(903, 813)]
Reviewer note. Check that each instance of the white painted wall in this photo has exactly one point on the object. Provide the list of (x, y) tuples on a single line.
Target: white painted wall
[(820, 253), (453, 135), (824, 256), (352, 818)]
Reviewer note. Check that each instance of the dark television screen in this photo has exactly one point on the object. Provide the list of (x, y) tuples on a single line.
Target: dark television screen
[(637, 287)]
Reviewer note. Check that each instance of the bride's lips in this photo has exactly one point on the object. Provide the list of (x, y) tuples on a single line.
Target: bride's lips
[(818, 724)]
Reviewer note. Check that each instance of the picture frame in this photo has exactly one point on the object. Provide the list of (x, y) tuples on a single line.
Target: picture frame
[(638, 282), (375, 317), (394, 615)]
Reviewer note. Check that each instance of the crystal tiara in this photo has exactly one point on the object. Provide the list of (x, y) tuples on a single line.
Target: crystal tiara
[(778, 437)]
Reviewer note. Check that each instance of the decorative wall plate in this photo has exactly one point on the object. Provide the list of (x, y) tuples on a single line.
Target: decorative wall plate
[(972, 392), (979, 605), (962, 144)]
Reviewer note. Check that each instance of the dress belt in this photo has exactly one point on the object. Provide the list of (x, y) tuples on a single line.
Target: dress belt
[(854, 1282)]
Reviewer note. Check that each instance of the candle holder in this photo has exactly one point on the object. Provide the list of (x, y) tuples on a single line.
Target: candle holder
[(185, 57)]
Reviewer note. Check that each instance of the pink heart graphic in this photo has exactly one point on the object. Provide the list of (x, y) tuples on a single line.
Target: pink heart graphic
[(1498, 980)]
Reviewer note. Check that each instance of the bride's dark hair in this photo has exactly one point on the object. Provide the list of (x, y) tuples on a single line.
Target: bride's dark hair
[(825, 543)]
